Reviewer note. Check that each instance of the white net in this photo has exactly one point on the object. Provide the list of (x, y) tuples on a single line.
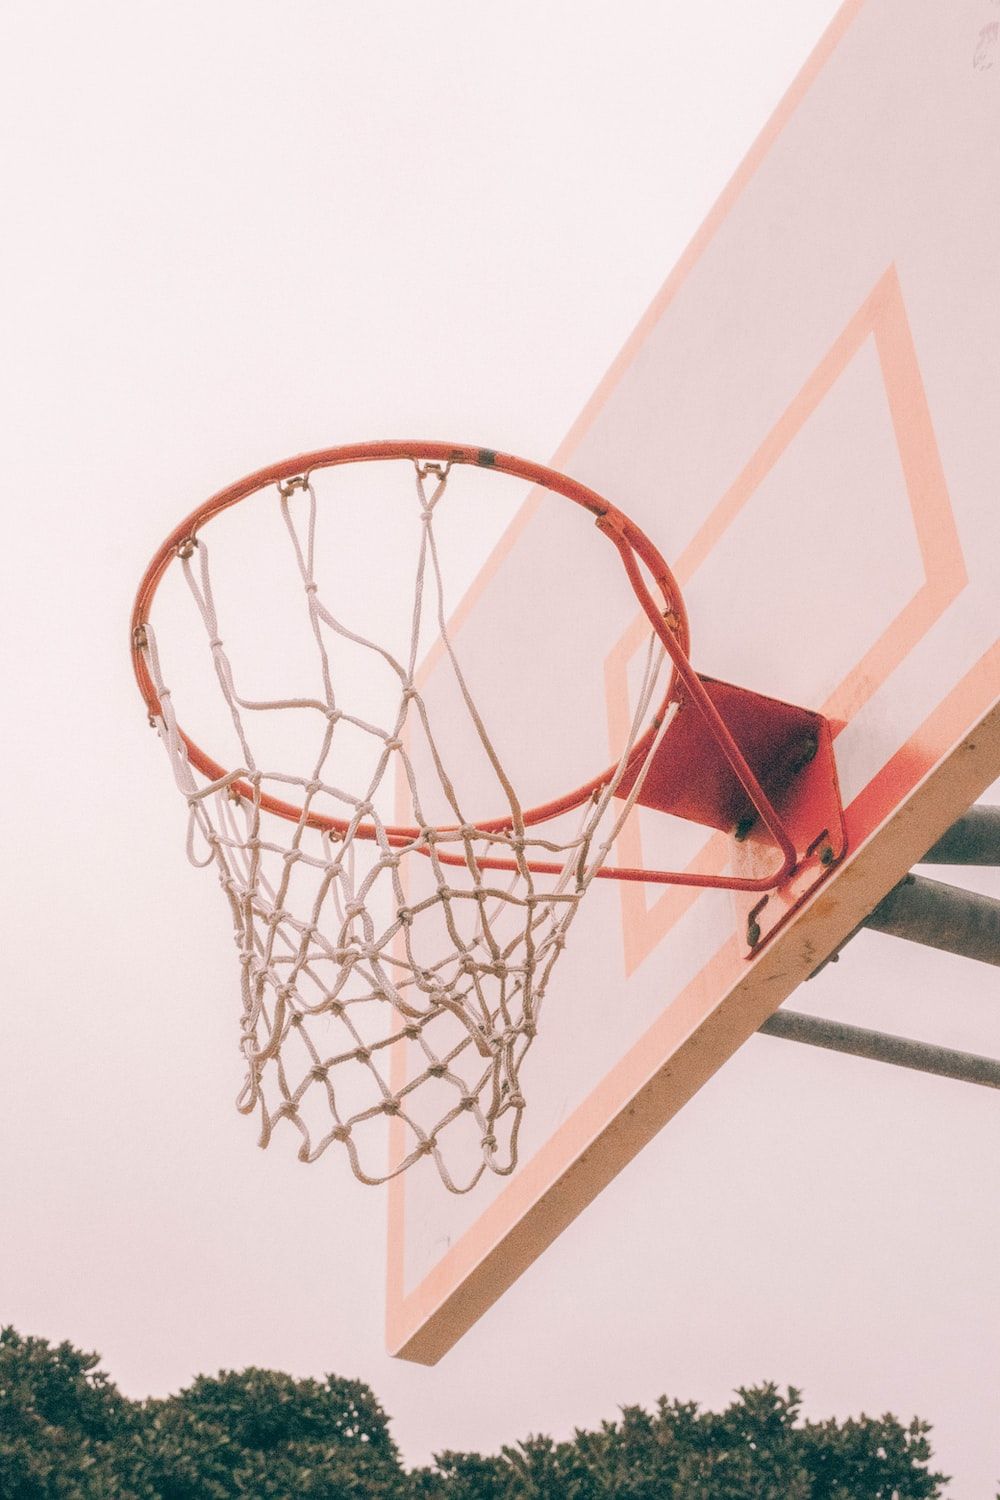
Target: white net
[(385, 977)]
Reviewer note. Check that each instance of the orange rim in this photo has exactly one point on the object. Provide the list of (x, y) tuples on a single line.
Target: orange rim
[(613, 522)]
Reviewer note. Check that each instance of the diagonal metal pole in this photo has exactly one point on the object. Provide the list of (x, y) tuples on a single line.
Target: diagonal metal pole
[(879, 1046), (937, 915), (940, 916), (973, 840)]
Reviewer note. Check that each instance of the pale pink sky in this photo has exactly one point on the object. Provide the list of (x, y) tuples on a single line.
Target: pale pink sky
[(243, 230)]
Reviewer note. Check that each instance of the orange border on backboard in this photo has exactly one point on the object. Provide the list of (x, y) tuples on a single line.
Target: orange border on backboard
[(646, 918), (690, 1040)]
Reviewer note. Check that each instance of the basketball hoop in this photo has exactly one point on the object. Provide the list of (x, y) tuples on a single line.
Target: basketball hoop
[(404, 958)]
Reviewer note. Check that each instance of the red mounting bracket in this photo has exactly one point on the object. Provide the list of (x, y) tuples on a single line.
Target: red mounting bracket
[(790, 752)]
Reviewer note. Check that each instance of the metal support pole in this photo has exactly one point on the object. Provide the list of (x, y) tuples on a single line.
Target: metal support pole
[(967, 1067), (973, 840), (941, 916)]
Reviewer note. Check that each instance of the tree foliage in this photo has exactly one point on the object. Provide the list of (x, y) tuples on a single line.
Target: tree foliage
[(62, 1424), (66, 1431), (262, 1434), (758, 1448)]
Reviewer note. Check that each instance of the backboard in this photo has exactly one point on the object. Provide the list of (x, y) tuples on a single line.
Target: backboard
[(804, 422)]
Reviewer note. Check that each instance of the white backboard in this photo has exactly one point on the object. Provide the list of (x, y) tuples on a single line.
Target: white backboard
[(804, 423)]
